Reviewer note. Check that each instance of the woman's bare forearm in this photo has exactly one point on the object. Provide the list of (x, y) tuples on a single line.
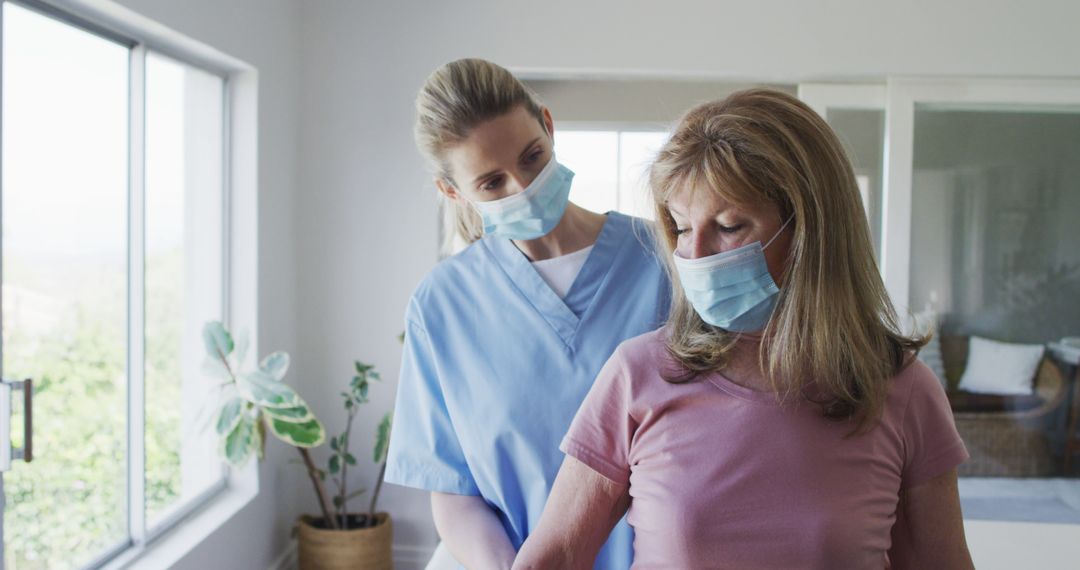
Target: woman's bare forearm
[(472, 532), (579, 515), (929, 527)]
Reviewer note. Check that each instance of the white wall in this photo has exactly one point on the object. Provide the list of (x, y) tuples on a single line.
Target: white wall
[(365, 210), (263, 33), (632, 100)]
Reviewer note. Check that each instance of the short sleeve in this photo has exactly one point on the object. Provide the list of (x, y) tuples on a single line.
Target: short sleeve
[(424, 449), (603, 428), (932, 444)]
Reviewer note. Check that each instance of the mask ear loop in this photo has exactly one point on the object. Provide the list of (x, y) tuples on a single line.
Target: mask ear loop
[(779, 231)]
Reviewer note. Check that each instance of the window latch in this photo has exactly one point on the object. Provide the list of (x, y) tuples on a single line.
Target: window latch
[(9, 453)]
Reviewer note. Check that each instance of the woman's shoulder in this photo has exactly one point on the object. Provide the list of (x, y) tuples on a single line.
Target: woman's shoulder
[(449, 277), (639, 252), (915, 386), (643, 353), (633, 370), (639, 230), (914, 374)]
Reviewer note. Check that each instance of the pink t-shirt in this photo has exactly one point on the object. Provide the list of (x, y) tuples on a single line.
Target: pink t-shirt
[(722, 476)]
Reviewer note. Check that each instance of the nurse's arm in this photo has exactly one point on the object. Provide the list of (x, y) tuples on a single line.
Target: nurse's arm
[(472, 531), (583, 508), (929, 529)]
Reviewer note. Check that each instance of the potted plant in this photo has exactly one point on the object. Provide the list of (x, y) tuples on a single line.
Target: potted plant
[(360, 540), (256, 402)]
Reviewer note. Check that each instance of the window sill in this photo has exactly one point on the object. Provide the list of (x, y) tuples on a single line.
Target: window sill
[(167, 549)]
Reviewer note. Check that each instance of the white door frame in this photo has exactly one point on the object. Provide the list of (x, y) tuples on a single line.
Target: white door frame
[(823, 96), (851, 96)]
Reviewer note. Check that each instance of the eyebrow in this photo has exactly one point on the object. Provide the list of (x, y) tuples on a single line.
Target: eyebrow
[(667, 204), (523, 153)]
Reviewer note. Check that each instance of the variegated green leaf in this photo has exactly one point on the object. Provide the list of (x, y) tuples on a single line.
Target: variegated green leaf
[(230, 415), (238, 445), (218, 341), (296, 414), (213, 367), (306, 434), (261, 389), (276, 365), (382, 438), (260, 437)]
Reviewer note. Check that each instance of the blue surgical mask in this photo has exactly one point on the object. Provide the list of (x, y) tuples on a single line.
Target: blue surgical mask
[(732, 290), (532, 212)]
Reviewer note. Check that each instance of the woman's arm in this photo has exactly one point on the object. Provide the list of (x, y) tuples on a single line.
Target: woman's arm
[(472, 531), (929, 529), (583, 508)]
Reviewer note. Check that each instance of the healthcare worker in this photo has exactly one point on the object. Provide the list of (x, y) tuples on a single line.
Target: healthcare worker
[(504, 339)]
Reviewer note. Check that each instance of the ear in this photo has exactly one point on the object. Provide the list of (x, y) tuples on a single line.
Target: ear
[(446, 188), (549, 123)]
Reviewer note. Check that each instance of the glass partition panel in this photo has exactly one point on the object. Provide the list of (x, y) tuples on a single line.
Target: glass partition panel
[(995, 269)]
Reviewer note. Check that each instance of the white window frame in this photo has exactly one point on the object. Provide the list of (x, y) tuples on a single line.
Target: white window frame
[(859, 97), (189, 523), (617, 127)]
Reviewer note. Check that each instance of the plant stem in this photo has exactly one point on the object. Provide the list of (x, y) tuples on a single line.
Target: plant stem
[(328, 514), (375, 495), (344, 468)]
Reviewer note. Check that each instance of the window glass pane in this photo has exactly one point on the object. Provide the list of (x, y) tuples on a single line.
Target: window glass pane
[(184, 144), (637, 151), (65, 159), (594, 158), (996, 253)]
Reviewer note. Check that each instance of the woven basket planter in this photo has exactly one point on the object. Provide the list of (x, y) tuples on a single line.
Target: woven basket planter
[(361, 548)]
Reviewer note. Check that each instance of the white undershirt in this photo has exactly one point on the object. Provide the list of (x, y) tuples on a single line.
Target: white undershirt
[(559, 272)]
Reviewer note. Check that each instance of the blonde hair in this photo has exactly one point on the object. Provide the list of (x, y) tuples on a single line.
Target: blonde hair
[(456, 98), (833, 324)]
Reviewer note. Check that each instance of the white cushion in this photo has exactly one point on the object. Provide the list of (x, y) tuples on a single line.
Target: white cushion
[(1000, 367)]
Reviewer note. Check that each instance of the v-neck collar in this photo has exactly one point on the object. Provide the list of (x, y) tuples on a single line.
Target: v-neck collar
[(563, 316)]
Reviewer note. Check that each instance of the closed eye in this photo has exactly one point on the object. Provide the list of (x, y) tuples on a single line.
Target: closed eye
[(492, 184), (534, 156)]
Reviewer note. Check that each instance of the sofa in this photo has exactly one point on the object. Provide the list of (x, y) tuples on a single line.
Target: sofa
[(1007, 436)]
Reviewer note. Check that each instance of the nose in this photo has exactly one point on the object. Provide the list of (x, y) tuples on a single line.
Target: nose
[(518, 180), (703, 243)]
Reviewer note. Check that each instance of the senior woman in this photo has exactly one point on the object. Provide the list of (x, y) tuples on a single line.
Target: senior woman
[(780, 419)]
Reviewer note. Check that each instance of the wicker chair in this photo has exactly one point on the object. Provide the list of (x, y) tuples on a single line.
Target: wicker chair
[(1007, 443)]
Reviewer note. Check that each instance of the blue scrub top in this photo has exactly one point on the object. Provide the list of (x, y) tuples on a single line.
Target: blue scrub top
[(495, 366)]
